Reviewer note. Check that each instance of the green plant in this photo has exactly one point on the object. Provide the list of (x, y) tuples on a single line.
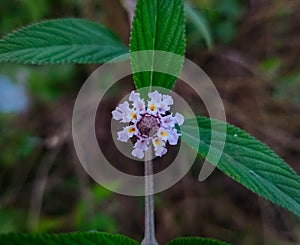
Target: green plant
[(158, 25)]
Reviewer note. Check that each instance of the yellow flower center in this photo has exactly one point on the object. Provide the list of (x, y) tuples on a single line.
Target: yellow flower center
[(131, 130), (157, 142), (152, 107), (133, 115), (163, 133)]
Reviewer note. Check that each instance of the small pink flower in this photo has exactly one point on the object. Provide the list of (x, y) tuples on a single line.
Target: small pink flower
[(149, 124)]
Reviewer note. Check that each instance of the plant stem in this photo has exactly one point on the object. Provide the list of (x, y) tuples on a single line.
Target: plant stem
[(149, 238)]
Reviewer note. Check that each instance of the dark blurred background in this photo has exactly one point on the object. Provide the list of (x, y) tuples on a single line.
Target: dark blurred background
[(255, 65)]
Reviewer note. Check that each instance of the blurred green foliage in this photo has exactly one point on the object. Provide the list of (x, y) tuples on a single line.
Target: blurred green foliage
[(222, 17), (87, 219), (286, 85), (11, 220), (288, 88), (271, 66), (49, 83), (22, 146), (17, 145), (16, 13)]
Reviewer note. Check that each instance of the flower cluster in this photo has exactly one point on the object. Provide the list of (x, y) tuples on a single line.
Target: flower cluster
[(150, 123)]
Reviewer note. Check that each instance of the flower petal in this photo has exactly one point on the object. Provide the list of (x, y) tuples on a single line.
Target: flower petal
[(173, 137), (168, 121), (138, 103), (162, 133), (131, 130), (123, 136), (167, 100), (117, 115), (157, 142), (124, 110), (163, 108), (160, 151), (138, 153), (155, 96), (152, 107), (179, 118), (124, 107), (134, 96), (142, 144)]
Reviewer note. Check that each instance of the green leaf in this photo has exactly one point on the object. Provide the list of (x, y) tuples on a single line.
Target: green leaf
[(61, 41), (195, 241), (200, 23), (76, 238), (247, 161), (158, 25)]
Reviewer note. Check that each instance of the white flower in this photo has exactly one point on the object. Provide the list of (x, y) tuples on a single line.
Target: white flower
[(138, 103), (124, 113), (139, 153), (148, 124), (165, 104), (179, 119), (159, 146), (155, 96), (152, 107), (142, 144), (173, 137), (168, 121), (160, 151), (127, 133), (123, 136), (162, 133)]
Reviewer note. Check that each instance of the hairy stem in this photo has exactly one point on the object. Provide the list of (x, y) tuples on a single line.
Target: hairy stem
[(149, 238)]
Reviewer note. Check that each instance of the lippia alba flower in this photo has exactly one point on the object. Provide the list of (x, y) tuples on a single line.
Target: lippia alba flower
[(150, 123)]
